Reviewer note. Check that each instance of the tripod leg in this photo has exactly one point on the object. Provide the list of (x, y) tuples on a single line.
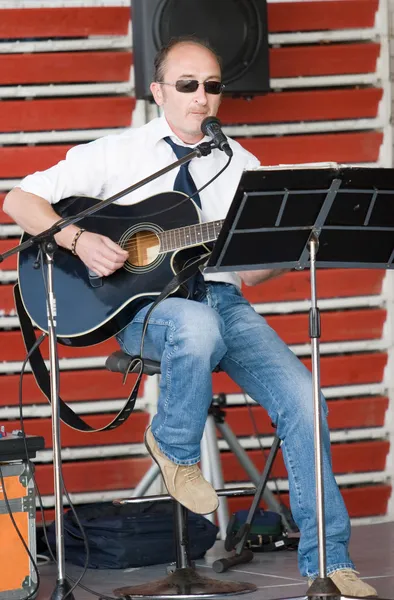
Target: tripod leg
[(206, 468), (251, 470), (244, 555), (259, 492), (213, 455)]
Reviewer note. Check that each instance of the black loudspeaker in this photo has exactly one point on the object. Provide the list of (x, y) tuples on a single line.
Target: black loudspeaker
[(236, 29)]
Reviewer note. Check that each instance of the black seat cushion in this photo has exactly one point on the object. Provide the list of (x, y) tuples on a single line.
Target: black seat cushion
[(119, 362)]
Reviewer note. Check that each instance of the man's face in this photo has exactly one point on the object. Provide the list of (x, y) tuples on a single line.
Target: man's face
[(186, 111)]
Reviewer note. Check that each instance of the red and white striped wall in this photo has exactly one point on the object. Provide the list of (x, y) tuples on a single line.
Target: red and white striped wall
[(66, 76)]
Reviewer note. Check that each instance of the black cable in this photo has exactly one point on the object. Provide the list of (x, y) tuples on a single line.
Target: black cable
[(146, 319), (208, 182), (44, 527), (38, 494), (9, 510), (139, 359), (76, 583), (213, 178), (52, 322), (186, 198), (31, 467)]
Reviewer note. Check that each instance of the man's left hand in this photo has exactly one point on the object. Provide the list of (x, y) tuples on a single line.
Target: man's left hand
[(255, 277)]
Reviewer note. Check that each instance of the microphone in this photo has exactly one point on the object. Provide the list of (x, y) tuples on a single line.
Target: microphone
[(212, 126)]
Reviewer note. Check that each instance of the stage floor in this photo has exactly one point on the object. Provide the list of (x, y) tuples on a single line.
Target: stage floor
[(275, 573)]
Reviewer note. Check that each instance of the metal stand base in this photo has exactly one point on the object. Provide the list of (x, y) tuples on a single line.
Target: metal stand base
[(62, 590), (323, 587), (184, 583)]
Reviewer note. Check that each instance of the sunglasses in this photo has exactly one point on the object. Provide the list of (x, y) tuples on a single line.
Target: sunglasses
[(188, 86)]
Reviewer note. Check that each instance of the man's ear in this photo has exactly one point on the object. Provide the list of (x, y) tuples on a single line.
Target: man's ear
[(157, 93)]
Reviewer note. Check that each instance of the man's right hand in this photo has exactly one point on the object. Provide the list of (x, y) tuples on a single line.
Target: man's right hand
[(34, 214), (99, 253)]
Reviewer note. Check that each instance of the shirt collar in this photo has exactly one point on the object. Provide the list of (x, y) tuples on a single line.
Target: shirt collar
[(163, 130)]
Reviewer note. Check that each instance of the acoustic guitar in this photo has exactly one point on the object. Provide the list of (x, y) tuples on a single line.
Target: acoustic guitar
[(160, 234)]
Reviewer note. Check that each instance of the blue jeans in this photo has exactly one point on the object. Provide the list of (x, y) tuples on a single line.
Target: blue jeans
[(190, 339)]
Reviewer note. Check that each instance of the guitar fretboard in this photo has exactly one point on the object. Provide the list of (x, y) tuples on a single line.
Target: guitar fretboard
[(191, 235)]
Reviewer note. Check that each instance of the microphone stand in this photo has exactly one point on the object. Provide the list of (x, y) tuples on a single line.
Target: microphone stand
[(47, 248)]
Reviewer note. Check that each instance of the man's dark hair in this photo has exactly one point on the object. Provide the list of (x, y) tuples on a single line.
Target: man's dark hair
[(161, 56)]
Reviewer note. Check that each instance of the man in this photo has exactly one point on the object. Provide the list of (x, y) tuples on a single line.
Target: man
[(191, 337)]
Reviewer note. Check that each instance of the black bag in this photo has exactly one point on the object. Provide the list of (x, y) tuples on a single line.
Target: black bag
[(266, 532), (129, 535)]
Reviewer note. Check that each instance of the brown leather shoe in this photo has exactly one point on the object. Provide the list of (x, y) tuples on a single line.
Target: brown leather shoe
[(184, 483), (349, 584)]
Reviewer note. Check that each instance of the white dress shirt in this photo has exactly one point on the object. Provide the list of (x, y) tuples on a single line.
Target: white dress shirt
[(110, 164)]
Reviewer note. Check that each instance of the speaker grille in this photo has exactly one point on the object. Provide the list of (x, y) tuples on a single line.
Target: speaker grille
[(236, 29)]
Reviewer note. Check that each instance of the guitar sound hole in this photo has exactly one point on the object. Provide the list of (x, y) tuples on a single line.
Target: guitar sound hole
[(143, 248)]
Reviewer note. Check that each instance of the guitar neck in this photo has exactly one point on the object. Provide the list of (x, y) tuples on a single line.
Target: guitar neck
[(191, 235)]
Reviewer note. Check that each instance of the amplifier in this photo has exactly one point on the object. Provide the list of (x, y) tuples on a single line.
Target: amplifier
[(17, 575), (14, 446)]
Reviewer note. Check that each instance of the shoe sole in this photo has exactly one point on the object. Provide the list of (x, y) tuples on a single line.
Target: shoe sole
[(173, 497)]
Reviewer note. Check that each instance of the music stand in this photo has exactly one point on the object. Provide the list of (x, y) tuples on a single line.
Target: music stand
[(306, 218)]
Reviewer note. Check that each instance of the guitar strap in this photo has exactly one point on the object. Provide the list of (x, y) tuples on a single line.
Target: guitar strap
[(41, 373)]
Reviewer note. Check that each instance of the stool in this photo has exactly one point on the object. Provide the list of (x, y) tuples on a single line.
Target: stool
[(184, 581)]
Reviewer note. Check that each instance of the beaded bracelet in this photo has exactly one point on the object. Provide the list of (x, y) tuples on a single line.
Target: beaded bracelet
[(75, 239)]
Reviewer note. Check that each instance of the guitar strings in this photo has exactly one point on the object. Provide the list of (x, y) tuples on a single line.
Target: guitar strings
[(179, 229), (149, 237), (132, 244), (135, 244)]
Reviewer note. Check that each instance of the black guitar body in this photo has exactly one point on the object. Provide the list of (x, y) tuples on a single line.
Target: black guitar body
[(91, 309)]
